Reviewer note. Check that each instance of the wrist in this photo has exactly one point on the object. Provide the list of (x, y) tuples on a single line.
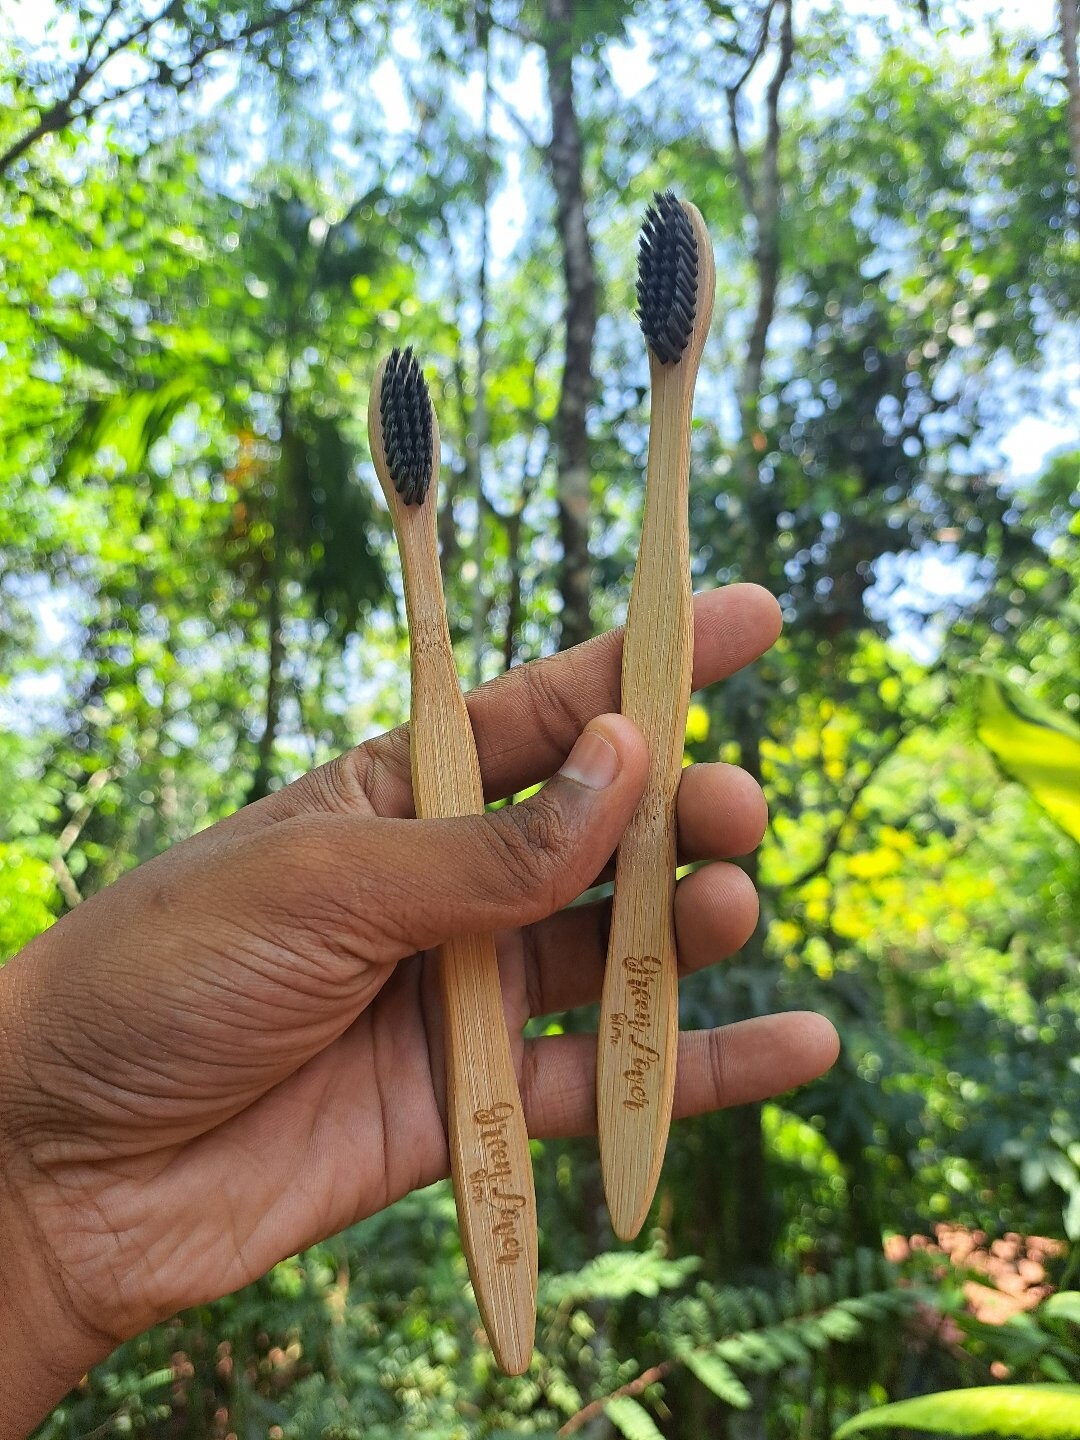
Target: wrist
[(45, 1346), (43, 1357)]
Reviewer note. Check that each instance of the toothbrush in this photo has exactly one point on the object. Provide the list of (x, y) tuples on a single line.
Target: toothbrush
[(639, 1014), (489, 1145)]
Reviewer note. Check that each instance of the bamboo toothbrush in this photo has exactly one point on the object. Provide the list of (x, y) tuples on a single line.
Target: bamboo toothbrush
[(489, 1144), (639, 1015)]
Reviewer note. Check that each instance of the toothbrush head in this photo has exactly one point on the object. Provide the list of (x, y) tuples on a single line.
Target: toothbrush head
[(667, 278), (406, 417)]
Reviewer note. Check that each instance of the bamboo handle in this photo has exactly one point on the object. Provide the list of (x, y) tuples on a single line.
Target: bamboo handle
[(639, 1014), (637, 1045), (490, 1164), (489, 1144)]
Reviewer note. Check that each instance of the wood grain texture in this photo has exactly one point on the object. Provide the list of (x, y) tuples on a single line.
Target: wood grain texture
[(639, 1015), (489, 1145)]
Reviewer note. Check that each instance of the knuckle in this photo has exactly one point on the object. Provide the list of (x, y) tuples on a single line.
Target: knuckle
[(365, 778), (719, 1066), (382, 769), (343, 781)]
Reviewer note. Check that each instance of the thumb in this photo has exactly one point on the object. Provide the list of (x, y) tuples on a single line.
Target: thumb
[(408, 885)]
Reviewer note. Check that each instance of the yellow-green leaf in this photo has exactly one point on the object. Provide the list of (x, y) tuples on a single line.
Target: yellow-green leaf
[(631, 1419), (1065, 1305), (718, 1377), (1036, 746), (1018, 1412)]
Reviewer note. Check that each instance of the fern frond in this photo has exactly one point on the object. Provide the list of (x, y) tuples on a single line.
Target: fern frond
[(617, 1274)]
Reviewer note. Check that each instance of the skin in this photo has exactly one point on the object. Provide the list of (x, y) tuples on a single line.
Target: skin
[(235, 1051)]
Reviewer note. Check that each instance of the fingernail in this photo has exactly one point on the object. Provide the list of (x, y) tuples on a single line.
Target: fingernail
[(593, 761)]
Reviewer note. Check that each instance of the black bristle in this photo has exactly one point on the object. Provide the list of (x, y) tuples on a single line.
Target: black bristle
[(667, 278), (406, 414)]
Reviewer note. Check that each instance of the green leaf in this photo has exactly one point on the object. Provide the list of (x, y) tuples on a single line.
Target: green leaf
[(841, 1325), (155, 1380), (615, 1275), (716, 1375), (128, 424), (1020, 1412), (1065, 1305), (631, 1419), (1034, 745)]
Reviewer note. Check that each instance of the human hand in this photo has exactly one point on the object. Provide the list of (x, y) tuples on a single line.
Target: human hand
[(236, 1049)]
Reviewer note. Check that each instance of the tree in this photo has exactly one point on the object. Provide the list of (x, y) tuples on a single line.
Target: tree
[(123, 54), (567, 167)]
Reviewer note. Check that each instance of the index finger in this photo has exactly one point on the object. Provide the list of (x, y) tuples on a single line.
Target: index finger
[(525, 722)]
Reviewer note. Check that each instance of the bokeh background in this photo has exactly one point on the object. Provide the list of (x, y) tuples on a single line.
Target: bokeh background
[(215, 217)]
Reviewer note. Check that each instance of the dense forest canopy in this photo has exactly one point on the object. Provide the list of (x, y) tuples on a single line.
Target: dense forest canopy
[(216, 216)]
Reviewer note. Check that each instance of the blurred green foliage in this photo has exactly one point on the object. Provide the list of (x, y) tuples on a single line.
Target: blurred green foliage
[(198, 601)]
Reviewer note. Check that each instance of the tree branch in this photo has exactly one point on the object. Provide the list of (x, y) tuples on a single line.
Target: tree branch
[(532, 140), (833, 841), (513, 522), (519, 31), (758, 50), (772, 101), (66, 881), (60, 113), (633, 1387), (742, 165), (92, 43), (71, 832), (767, 217), (66, 110), (94, 786)]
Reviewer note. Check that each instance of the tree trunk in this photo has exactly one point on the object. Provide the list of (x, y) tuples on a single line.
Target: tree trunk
[(1070, 14), (762, 193), (755, 1213), (754, 1217), (513, 595), (476, 447), (573, 464), (275, 654)]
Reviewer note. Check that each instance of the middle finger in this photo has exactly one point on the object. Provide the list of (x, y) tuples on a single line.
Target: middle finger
[(716, 909), (721, 813)]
